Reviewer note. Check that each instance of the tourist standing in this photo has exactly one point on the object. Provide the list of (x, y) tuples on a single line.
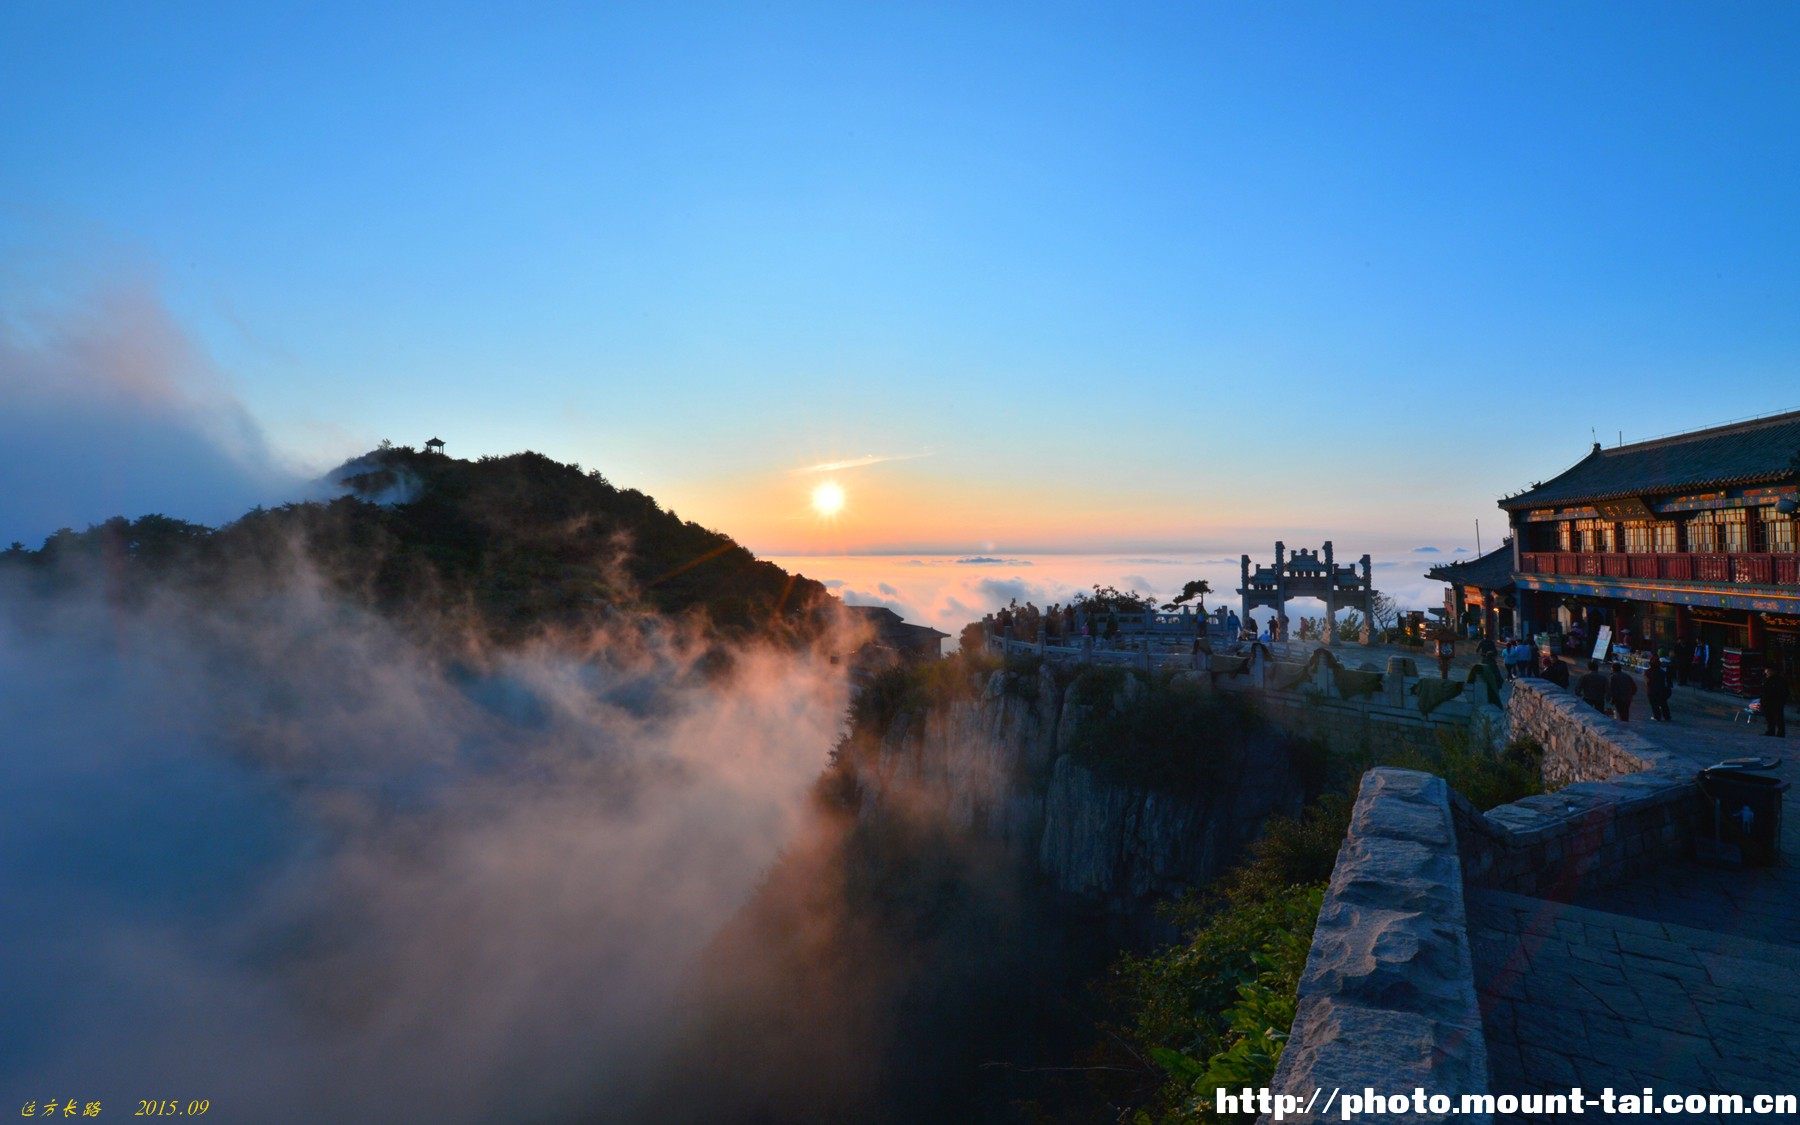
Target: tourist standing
[(1774, 703), (1556, 672), (1702, 657), (1233, 627), (1621, 688), (1592, 687), (1658, 688)]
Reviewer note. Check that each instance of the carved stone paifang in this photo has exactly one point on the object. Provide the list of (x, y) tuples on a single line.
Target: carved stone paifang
[(1304, 574)]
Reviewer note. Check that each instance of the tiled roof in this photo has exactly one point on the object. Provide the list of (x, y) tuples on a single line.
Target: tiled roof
[(1752, 452), (1492, 571)]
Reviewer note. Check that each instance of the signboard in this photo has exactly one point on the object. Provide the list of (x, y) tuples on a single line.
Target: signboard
[(1602, 642), (1625, 508)]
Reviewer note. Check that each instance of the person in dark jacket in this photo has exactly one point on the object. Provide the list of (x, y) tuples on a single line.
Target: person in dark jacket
[(1774, 703), (1592, 687), (1621, 688), (1658, 688), (1684, 660), (1556, 672)]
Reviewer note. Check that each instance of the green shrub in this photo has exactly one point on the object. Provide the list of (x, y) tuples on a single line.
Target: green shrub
[(877, 703), (1215, 1010), (960, 676), (1022, 676), (1098, 686)]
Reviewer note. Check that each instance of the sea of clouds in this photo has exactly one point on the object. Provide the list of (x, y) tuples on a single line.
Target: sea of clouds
[(949, 591)]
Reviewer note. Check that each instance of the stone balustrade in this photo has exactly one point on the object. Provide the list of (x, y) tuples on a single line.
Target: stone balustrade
[(1386, 999), (1625, 808), (1315, 708)]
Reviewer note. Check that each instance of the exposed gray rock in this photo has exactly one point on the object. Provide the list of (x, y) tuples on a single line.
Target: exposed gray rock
[(1000, 765)]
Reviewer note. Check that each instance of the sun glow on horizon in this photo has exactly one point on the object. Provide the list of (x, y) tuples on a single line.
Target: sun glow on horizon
[(828, 499)]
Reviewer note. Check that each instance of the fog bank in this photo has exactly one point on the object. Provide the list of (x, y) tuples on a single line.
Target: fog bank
[(276, 855)]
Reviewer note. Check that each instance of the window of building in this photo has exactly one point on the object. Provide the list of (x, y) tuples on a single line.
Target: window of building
[(1644, 537), (1734, 530), (1778, 531), (1565, 535), (1720, 530), (1595, 535), (1703, 533)]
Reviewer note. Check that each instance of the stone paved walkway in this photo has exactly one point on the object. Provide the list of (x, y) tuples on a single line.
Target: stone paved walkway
[(1687, 981), (1758, 902), (1579, 997)]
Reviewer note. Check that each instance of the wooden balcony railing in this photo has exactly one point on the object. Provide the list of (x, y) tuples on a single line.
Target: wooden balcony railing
[(1759, 569)]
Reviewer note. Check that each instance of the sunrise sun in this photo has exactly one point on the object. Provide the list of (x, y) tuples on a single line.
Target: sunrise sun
[(828, 499)]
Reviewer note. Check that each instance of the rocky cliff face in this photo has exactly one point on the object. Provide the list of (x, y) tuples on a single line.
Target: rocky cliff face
[(1000, 766)]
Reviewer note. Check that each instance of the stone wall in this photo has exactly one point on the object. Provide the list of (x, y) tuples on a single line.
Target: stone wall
[(1387, 999), (1382, 999), (1625, 806), (1387, 718), (1582, 838), (1580, 744), (1355, 725)]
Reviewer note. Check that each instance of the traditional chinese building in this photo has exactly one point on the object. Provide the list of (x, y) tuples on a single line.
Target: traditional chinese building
[(1482, 592), (893, 634), (1691, 537)]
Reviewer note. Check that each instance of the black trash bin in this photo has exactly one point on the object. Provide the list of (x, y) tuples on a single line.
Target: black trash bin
[(1740, 822)]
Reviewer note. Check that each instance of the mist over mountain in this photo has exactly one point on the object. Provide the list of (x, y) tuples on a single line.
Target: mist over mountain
[(487, 791), (405, 812), (505, 546)]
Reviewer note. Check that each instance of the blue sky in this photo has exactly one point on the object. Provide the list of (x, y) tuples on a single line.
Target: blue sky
[(1108, 277)]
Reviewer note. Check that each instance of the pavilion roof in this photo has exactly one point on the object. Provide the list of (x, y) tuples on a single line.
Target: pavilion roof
[(1492, 571), (1758, 451)]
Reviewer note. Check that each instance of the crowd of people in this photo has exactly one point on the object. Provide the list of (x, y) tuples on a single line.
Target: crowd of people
[(1610, 692), (1057, 622), (1075, 620), (1611, 689)]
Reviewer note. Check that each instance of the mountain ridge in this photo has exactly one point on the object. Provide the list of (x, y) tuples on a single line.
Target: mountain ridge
[(508, 544)]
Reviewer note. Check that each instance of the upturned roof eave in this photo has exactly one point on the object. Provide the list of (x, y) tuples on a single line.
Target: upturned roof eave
[(1533, 499)]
